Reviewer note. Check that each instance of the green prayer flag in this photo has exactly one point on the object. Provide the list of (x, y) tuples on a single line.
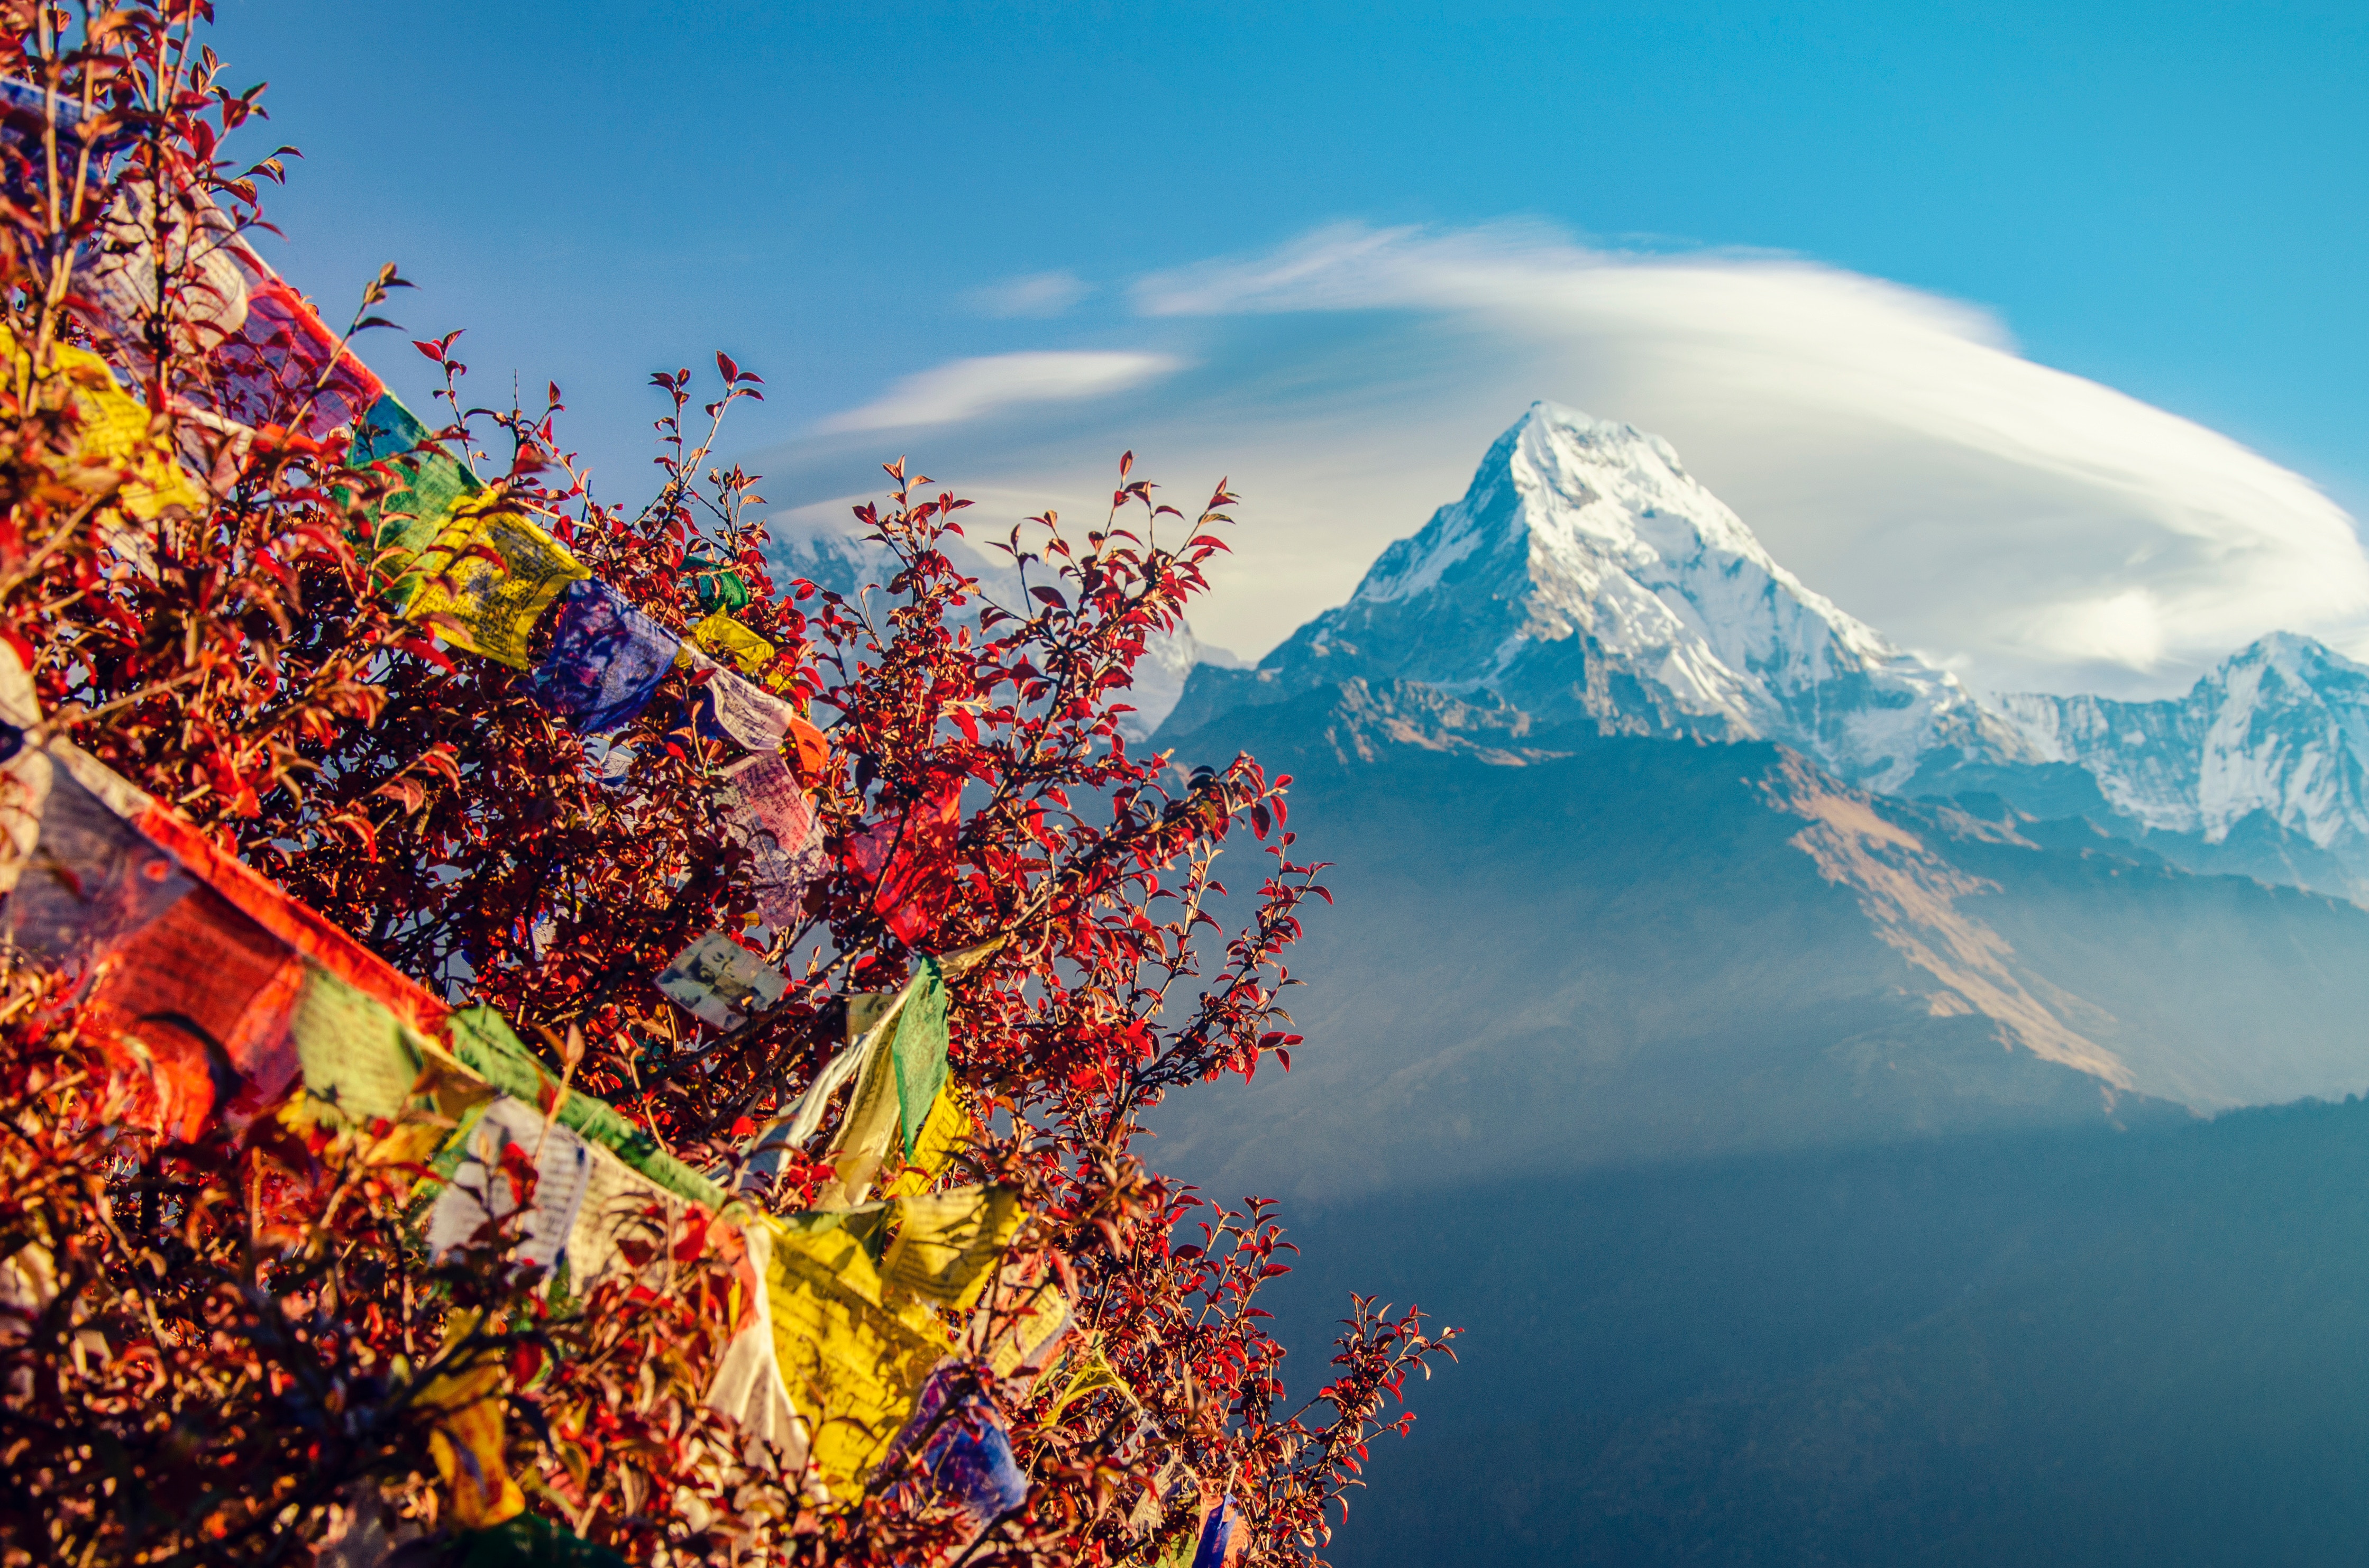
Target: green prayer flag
[(920, 1050), (484, 1041), (354, 1051), (408, 520)]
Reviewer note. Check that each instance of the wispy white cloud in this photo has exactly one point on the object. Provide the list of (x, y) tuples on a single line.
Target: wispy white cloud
[(966, 389), (2025, 526), (2018, 516), (1037, 294)]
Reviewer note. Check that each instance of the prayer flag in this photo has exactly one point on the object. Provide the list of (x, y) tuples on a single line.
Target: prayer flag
[(466, 1441), (965, 1453), (728, 707), (434, 483), (853, 1366), (207, 994), (718, 981), (813, 749), (478, 1192), (748, 1385), (357, 1054), (1091, 1375), (618, 1203), (116, 273), (920, 1049), (943, 1134), (1019, 1328), (93, 880), (262, 901), (719, 588), (284, 367), (722, 635), (606, 658), (1224, 1536), (489, 576), (911, 863), (769, 815), (113, 430), (950, 1242)]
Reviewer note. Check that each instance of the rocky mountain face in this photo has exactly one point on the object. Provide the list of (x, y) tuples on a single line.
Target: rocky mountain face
[(1585, 576), (2270, 747)]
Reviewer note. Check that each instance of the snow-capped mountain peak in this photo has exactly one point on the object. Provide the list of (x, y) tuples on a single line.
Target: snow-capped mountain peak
[(2279, 727), (1585, 574)]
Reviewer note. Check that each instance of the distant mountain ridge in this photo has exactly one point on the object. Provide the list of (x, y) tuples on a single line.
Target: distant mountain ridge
[(2274, 739), (1585, 579)]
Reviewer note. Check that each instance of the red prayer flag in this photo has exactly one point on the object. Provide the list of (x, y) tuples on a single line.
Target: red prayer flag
[(207, 993), (911, 863)]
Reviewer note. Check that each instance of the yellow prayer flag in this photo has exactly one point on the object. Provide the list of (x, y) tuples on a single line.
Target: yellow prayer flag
[(466, 1441), (951, 1243), (721, 633), (943, 1136), (1090, 1374), (491, 571), (853, 1366), (114, 431)]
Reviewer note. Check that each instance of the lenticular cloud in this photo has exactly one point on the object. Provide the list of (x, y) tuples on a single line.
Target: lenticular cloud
[(2026, 525)]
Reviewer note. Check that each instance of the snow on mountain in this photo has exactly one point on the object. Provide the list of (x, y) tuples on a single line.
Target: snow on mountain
[(1586, 576), (2281, 727)]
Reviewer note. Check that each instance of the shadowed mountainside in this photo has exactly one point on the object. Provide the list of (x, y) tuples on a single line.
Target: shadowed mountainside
[(2073, 1348), (1555, 951)]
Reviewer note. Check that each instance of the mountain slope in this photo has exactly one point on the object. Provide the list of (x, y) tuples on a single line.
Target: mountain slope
[(1586, 577), (1553, 950)]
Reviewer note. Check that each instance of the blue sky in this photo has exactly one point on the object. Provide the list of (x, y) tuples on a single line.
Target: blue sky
[(2164, 200)]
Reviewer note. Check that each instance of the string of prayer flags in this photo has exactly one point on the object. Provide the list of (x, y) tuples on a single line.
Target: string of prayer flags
[(965, 1453), (485, 1045), (950, 1242), (718, 981), (910, 863), (768, 814), (920, 1049), (434, 483), (489, 576), (606, 658)]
